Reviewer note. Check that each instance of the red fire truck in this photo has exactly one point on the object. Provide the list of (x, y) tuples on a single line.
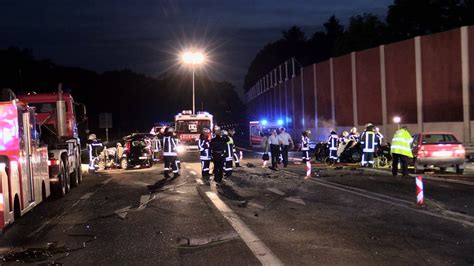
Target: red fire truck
[(56, 116), (189, 127), (23, 161)]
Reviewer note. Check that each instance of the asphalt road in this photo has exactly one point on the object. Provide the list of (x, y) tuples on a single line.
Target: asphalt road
[(258, 216)]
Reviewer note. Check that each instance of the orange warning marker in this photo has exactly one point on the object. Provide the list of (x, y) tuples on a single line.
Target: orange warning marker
[(420, 198)]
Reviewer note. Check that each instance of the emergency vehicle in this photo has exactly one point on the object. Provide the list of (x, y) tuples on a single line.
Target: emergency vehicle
[(188, 128), (23, 161), (56, 116), (257, 129)]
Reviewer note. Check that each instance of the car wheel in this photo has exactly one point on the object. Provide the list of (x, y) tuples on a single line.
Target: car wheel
[(442, 169), (356, 156), (329, 162), (459, 170), (124, 164)]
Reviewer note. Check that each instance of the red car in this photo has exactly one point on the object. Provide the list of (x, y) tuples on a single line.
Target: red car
[(438, 149)]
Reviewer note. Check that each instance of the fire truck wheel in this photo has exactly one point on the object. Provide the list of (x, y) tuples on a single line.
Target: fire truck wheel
[(79, 170), (75, 177), (67, 176), (43, 192), (16, 208), (60, 188)]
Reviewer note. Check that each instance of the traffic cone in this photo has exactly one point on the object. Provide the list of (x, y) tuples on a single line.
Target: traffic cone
[(308, 169), (420, 199)]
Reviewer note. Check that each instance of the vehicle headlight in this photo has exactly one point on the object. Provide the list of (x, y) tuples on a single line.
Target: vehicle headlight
[(180, 149)]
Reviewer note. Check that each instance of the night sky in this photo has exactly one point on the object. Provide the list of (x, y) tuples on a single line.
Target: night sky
[(145, 35)]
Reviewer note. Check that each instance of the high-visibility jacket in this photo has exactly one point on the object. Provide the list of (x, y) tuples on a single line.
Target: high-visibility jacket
[(304, 143), (229, 154), (333, 140), (169, 146), (204, 149), (401, 143), (369, 140)]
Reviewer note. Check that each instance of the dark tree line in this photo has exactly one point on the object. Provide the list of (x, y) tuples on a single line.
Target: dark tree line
[(404, 19), (136, 101)]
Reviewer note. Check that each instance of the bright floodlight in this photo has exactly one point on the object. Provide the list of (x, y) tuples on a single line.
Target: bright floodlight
[(193, 58), (397, 119)]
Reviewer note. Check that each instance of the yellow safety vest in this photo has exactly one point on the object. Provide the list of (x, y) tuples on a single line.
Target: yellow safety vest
[(401, 143)]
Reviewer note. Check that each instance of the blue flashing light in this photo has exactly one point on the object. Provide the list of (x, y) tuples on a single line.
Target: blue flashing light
[(264, 122), (280, 122)]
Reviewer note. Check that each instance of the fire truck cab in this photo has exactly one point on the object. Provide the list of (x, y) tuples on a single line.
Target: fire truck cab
[(23, 162), (56, 116), (188, 128)]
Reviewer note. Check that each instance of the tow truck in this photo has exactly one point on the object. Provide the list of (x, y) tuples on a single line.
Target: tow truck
[(24, 174), (56, 116), (188, 128)]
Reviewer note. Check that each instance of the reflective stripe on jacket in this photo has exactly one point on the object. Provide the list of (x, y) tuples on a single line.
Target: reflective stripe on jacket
[(401, 143)]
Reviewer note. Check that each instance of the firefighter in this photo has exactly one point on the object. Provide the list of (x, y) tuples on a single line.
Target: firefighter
[(92, 145), (218, 147), (305, 145), (354, 135), (205, 155), (169, 153), (229, 154), (333, 140), (369, 142), (234, 151), (401, 150), (178, 162)]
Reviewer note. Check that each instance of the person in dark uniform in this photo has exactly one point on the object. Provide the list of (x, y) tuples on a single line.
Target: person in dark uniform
[(204, 153), (234, 150), (218, 147), (92, 145), (169, 153)]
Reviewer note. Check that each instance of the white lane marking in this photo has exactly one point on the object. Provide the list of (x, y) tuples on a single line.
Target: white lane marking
[(256, 205), (39, 228), (276, 191), (107, 181), (122, 213), (366, 194), (84, 197), (295, 200), (144, 199), (258, 248), (199, 181), (87, 195), (193, 172)]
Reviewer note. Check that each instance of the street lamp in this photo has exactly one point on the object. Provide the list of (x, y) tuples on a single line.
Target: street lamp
[(397, 121), (193, 58)]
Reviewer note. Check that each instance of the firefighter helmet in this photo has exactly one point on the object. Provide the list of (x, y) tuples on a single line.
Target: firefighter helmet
[(92, 137), (170, 129)]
